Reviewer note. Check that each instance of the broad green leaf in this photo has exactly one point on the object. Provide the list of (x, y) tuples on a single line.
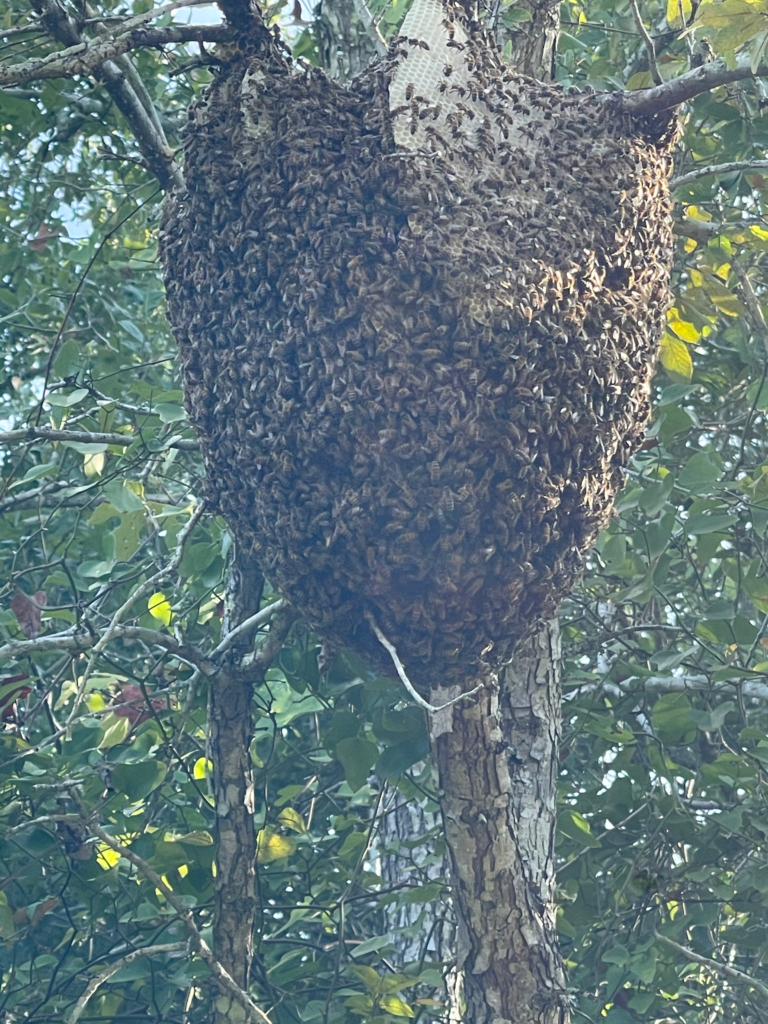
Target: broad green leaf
[(138, 779), (357, 757), (399, 758), (396, 1006)]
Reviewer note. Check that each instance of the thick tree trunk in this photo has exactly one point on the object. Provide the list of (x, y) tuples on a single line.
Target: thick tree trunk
[(230, 733), (497, 764)]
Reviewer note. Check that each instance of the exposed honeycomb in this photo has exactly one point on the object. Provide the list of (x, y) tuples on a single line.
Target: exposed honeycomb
[(417, 324)]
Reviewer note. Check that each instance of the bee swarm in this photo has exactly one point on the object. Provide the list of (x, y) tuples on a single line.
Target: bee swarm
[(418, 318)]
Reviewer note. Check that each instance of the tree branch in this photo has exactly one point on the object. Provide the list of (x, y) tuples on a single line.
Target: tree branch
[(713, 965), (84, 58), (198, 943), (95, 983), (78, 640), (714, 169), (687, 86), (50, 434)]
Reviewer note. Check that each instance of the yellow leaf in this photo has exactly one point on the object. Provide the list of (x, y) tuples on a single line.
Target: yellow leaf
[(675, 357), (697, 214), (160, 608), (396, 1006), (106, 856), (271, 846), (684, 330), (697, 278), (679, 13), (94, 464), (759, 232), (202, 768), (690, 244), (289, 818)]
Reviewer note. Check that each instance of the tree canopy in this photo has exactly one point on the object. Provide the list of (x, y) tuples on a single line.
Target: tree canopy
[(114, 588)]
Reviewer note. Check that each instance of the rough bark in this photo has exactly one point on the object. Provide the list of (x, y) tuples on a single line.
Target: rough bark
[(497, 764), (497, 761), (230, 732)]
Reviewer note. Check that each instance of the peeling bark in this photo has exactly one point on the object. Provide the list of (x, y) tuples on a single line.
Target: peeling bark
[(497, 764)]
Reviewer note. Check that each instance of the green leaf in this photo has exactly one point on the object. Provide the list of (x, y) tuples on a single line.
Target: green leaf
[(701, 473), (575, 826), (399, 758), (60, 400), (138, 779), (671, 717)]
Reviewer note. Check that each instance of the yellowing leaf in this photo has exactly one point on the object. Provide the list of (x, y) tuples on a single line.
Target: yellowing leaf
[(728, 24), (106, 856), (759, 232), (160, 608), (684, 330), (396, 1006), (697, 278), (697, 214), (271, 846), (679, 13), (94, 464), (675, 357), (202, 768), (690, 244), (289, 818)]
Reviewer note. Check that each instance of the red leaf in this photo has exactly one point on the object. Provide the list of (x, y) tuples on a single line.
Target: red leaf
[(130, 704), (27, 611)]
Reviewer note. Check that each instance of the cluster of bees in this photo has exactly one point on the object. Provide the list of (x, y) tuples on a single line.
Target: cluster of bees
[(417, 326)]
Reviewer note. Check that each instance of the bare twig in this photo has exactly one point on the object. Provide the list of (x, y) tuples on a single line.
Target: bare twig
[(144, 588), (715, 169), (649, 43), (713, 965), (198, 943), (78, 640), (368, 22), (89, 437), (95, 983), (250, 623), (84, 58), (752, 302), (400, 669)]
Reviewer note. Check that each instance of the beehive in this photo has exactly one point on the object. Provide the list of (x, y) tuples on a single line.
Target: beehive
[(418, 318)]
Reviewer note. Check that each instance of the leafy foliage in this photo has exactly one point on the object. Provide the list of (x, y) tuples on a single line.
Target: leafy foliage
[(663, 823)]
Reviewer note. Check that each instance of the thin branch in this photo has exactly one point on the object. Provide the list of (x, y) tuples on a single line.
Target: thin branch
[(713, 965), (44, 819), (400, 669), (144, 588), (715, 169), (50, 434), (649, 43), (700, 230), (750, 688), (751, 300), (85, 57), (77, 640), (198, 943), (370, 26), (95, 983), (687, 86), (250, 623)]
